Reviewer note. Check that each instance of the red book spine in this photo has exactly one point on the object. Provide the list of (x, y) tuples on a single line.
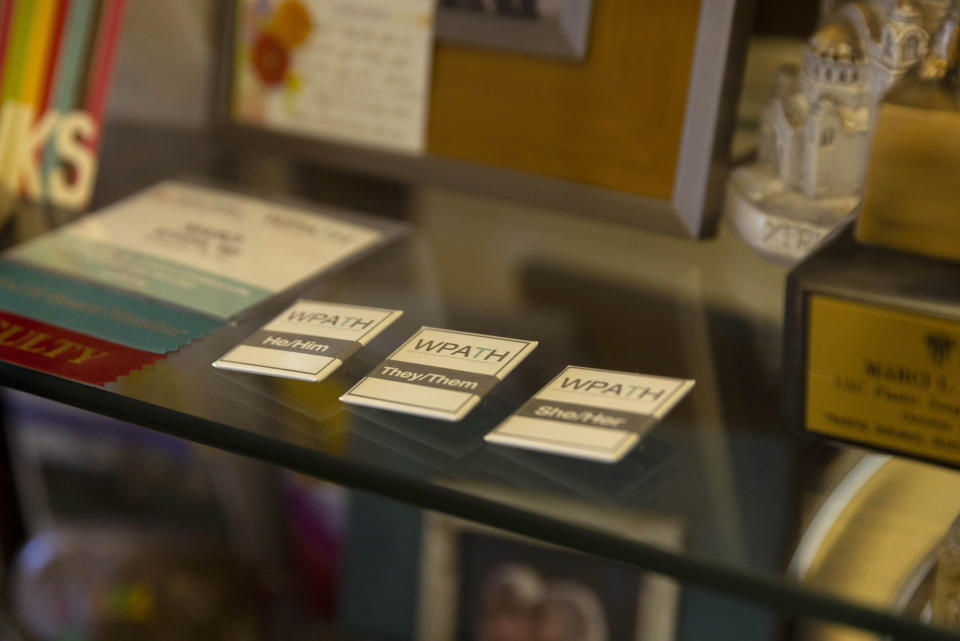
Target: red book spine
[(55, 43), (108, 34)]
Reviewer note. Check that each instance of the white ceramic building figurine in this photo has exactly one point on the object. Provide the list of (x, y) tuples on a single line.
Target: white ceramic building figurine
[(814, 135)]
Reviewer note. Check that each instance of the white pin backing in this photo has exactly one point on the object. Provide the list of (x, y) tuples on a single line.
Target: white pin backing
[(308, 341), (591, 413), (439, 373)]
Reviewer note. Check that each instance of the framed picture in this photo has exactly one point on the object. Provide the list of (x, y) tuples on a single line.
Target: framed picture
[(481, 584), (550, 27), (635, 129)]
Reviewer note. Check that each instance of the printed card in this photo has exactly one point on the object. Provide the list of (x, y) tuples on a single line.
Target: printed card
[(439, 373), (349, 71), (210, 251), (591, 413), (308, 341)]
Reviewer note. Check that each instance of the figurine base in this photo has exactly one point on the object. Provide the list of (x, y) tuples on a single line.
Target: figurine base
[(872, 349), (781, 224)]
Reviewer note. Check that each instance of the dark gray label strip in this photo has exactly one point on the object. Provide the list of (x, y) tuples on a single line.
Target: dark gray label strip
[(587, 415), (304, 344), (437, 377)]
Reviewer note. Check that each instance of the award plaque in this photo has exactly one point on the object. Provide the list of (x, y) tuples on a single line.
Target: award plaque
[(872, 349), (872, 326)]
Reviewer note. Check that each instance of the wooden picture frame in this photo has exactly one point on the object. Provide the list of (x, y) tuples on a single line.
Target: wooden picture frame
[(637, 132), (559, 28)]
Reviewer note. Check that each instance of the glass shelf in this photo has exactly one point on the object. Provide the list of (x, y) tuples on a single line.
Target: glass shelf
[(812, 529)]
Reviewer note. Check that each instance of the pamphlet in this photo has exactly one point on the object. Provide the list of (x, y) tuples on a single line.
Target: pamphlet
[(210, 251), (91, 309)]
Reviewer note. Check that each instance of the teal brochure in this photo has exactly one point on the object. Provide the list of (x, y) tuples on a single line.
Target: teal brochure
[(97, 311)]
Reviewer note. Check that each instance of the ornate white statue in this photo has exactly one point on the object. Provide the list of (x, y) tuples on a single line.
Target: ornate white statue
[(815, 130)]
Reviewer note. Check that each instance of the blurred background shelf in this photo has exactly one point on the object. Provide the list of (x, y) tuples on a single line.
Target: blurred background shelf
[(185, 489), (721, 473)]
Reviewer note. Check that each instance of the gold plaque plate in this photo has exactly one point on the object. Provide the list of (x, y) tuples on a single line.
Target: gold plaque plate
[(883, 377)]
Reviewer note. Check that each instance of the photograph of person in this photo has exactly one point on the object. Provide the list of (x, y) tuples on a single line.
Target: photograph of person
[(511, 8), (517, 604), (482, 584), (514, 591)]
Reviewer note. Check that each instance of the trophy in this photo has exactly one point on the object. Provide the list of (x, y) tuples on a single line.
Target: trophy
[(872, 325), (910, 192), (815, 130)]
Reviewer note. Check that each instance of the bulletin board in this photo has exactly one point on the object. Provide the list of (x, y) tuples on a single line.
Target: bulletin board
[(635, 130)]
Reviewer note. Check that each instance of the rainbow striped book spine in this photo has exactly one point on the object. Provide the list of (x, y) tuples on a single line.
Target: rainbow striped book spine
[(56, 59)]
